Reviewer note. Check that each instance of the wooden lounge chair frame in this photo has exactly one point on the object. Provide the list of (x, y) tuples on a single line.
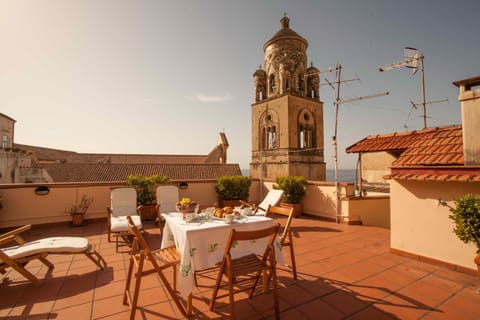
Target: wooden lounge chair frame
[(39, 249), (272, 198)]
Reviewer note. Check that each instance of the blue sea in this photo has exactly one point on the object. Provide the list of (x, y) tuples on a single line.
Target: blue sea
[(344, 175)]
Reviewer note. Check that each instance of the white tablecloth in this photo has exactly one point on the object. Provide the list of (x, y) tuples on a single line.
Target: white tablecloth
[(202, 244)]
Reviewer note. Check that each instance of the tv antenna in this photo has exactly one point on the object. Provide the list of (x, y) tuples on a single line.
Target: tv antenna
[(337, 103), (414, 60), (414, 106)]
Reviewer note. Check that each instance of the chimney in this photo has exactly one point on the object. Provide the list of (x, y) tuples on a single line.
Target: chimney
[(469, 97)]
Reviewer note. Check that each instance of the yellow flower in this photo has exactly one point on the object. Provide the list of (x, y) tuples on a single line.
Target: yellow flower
[(185, 201)]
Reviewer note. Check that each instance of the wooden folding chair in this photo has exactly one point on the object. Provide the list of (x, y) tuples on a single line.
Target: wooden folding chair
[(286, 238), (19, 255), (252, 266), (147, 262)]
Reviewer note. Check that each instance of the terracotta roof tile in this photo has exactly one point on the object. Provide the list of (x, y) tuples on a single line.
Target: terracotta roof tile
[(48, 155), (87, 172), (436, 173), (431, 146)]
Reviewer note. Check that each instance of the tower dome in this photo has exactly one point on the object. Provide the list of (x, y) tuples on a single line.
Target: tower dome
[(285, 62), (285, 33)]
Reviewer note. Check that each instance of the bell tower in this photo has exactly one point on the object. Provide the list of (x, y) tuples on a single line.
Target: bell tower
[(287, 115)]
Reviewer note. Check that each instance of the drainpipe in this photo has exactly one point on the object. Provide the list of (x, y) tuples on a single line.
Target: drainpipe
[(359, 175)]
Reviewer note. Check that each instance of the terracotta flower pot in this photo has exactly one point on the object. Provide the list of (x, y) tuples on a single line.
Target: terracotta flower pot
[(477, 261), (77, 219), (148, 212), (297, 208)]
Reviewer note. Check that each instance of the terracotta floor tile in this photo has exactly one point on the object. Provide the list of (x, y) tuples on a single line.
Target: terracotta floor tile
[(63, 302), (295, 294), (344, 301), (319, 309), (344, 272), (109, 306), (74, 311), (403, 306), (371, 313)]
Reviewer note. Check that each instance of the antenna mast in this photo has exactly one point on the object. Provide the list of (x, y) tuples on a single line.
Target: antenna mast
[(412, 59), (337, 103)]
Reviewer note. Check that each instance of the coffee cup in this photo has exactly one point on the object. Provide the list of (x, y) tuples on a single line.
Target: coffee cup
[(229, 218), (247, 211)]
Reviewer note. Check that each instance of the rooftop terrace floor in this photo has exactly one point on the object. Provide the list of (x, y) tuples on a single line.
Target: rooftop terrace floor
[(345, 272)]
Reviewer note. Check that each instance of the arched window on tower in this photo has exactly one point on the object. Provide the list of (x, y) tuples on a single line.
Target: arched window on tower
[(271, 81), (269, 133), (300, 84), (306, 130)]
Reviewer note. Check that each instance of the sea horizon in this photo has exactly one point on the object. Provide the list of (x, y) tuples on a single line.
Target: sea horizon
[(344, 175)]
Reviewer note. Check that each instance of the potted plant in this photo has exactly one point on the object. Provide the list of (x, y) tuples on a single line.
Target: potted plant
[(466, 215), (231, 189), (294, 190), (146, 196), (78, 209)]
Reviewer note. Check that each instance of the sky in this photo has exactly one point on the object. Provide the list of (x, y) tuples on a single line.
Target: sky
[(165, 77)]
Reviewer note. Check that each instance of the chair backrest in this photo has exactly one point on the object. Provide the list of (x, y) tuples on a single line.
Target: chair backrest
[(167, 197), (288, 212), (272, 198), (270, 232), (139, 240), (123, 202)]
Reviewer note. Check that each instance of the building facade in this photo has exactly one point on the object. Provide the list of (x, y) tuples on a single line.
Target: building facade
[(287, 115), (7, 128)]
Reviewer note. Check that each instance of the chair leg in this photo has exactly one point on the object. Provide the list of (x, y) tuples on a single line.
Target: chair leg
[(27, 274), (292, 256), (174, 275), (217, 285), (138, 280), (44, 260), (98, 261), (126, 293), (275, 291), (230, 294), (294, 265)]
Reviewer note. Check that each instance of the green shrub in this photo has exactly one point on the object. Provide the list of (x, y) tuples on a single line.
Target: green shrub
[(293, 188), (233, 187), (466, 215), (145, 186)]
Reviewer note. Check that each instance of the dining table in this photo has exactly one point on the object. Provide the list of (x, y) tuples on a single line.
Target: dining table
[(201, 243)]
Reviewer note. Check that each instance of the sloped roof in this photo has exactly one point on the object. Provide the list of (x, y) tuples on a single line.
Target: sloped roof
[(42, 155), (431, 146), (108, 172)]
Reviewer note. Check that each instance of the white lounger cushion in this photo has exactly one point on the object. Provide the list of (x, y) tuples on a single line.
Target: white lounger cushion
[(120, 224), (50, 245)]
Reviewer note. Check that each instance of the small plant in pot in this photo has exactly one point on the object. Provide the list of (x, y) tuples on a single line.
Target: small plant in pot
[(231, 189), (294, 188), (146, 193), (78, 209), (466, 215)]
